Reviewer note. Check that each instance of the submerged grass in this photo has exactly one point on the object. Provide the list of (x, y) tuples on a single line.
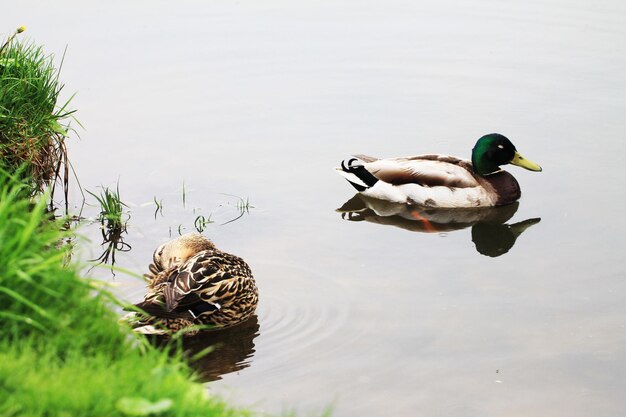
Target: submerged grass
[(113, 220), (62, 351), (159, 207), (33, 126), (242, 205), (202, 222), (111, 208)]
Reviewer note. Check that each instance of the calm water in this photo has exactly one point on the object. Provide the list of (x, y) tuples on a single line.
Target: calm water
[(374, 317)]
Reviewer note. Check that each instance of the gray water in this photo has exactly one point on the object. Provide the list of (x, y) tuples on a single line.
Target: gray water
[(375, 318)]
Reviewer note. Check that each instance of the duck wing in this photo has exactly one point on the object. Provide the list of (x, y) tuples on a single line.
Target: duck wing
[(425, 170), (204, 280)]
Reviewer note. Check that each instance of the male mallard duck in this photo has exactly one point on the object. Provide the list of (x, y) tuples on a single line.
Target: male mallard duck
[(191, 282), (440, 180)]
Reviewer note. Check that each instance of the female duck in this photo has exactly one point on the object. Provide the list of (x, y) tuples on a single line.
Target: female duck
[(440, 180), (191, 282)]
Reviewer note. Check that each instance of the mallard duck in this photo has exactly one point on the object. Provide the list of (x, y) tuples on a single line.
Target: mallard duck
[(441, 180), (191, 282)]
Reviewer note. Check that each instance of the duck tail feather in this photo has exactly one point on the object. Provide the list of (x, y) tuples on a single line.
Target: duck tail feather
[(352, 179), (161, 311), (356, 174)]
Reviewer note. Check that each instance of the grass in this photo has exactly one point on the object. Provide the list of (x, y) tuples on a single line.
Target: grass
[(201, 222), (39, 384), (111, 208), (242, 205), (62, 351), (33, 126), (159, 207), (113, 220)]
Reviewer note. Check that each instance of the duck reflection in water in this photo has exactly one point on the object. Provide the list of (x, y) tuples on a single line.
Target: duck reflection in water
[(229, 350), (490, 232)]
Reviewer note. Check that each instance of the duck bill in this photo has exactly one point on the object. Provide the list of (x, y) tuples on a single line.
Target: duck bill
[(520, 161)]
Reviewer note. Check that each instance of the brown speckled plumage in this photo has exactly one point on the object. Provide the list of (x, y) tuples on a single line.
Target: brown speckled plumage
[(201, 285)]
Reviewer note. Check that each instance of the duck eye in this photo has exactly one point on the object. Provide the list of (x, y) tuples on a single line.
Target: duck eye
[(501, 146), (161, 252)]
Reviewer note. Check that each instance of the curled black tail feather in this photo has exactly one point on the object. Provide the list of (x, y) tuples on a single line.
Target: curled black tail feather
[(360, 171), (349, 166)]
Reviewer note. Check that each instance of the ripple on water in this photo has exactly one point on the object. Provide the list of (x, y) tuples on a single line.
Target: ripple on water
[(300, 310)]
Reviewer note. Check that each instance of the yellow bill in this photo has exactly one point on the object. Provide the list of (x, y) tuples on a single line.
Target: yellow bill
[(520, 161)]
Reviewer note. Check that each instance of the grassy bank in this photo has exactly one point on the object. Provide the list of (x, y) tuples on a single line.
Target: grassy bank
[(62, 351), (33, 124)]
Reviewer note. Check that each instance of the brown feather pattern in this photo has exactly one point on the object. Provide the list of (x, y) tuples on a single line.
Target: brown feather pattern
[(218, 285)]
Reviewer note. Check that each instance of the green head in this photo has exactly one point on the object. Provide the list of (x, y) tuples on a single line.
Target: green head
[(494, 150)]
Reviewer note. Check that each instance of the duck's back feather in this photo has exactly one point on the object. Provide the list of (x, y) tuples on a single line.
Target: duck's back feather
[(211, 270), (213, 286), (425, 170)]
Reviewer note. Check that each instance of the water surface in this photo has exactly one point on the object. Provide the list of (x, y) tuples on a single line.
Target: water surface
[(263, 100)]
